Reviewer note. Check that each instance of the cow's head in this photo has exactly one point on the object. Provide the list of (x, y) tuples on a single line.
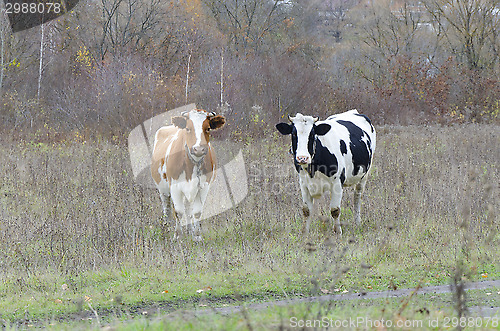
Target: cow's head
[(304, 131), (197, 124)]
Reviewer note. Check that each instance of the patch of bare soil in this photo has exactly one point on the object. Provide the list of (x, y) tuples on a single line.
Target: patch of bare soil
[(439, 289)]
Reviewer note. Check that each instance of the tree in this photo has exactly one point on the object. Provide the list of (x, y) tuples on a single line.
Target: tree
[(3, 21), (471, 29), (247, 23)]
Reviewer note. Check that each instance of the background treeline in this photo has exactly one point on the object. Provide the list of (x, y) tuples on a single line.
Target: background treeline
[(111, 64)]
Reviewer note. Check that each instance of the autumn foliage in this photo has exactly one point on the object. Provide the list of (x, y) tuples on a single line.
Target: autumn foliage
[(110, 64)]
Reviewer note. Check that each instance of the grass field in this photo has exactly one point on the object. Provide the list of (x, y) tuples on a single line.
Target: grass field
[(80, 239)]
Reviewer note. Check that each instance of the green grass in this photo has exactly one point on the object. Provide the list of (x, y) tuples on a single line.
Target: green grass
[(426, 311), (78, 234)]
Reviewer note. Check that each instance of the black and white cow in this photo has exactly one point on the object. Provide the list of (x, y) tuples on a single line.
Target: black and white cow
[(329, 155)]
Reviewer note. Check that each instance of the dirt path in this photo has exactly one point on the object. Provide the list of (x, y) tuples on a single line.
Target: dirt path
[(484, 311)]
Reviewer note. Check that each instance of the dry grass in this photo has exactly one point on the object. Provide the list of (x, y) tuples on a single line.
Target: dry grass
[(75, 208)]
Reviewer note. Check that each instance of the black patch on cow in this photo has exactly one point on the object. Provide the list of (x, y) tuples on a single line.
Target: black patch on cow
[(323, 161), (342, 177), (293, 150), (310, 142), (294, 143), (368, 120), (361, 151), (322, 129), (284, 128), (343, 147)]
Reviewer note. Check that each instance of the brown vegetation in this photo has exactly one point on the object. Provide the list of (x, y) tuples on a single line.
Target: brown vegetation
[(76, 207), (111, 64)]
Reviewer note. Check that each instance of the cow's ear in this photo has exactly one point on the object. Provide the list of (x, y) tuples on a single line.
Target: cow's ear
[(216, 122), (179, 121), (322, 129), (284, 128)]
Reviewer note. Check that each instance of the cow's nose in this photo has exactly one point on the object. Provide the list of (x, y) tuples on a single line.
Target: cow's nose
[(302, 159), (200, 150)]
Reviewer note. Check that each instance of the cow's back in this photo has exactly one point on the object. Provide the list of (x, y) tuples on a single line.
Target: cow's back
[(353, 140), (360, 120)]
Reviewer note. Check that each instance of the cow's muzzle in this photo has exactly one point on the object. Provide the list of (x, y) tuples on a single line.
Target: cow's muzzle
[(303, 159), (199, 151), (196, 154)]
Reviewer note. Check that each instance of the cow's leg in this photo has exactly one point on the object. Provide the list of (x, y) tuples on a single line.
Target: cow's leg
[(358, 192), (179, 209), (197, 208), (189, 219), (167, 207), (335, 206), (307, 207)]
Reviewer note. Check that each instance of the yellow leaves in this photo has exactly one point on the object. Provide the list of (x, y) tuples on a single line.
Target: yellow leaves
[(14, 63), (83, 56)]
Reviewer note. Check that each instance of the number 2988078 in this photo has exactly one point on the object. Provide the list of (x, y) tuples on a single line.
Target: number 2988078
[(33, 8)]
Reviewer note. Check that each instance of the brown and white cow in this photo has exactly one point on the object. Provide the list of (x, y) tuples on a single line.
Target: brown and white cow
[(183, 166)]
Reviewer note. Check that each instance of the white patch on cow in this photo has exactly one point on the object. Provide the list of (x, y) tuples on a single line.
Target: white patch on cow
[(163, 186), (189, 196), (316, 186), (197, 117), (303, 125)]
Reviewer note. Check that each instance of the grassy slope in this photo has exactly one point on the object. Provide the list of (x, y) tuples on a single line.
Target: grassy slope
[(78, 234)]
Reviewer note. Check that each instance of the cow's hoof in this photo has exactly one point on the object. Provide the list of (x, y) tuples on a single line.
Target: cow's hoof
[(335, 212), (167, 222), (310, 247), (337, 229)]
